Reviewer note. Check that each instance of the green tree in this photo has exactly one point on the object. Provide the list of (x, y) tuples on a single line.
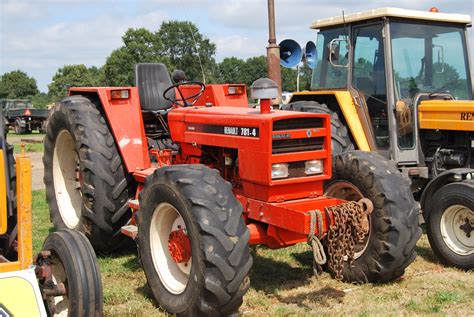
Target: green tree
[(73, 76), (41, 100), (188, 50), (306, 74), (231, 70), (177, 44), (255, 68), (97, 76), (363, 68), (288, 79), (17, 85), (235, 70), (139, 46)]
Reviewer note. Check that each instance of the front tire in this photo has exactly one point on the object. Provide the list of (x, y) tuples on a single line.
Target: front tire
[(74, 264), (86, 182), (450, 225), (193, 241), (390, 245)]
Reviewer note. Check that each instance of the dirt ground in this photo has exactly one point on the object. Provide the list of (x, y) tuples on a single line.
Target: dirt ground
[(37, 170)]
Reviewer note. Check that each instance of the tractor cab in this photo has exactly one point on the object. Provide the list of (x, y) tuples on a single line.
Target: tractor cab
[(398, 82), (390, 60), (15, 104)]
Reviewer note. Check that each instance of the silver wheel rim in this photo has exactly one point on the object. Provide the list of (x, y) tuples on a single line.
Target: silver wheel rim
[(58, 305), (457, 240), (174, 276), (66, 184)]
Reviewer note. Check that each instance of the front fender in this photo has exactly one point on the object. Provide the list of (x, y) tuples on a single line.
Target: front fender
[(452, 175)]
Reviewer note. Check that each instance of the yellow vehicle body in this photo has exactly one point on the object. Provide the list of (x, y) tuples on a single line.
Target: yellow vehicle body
[(453, 115), (19, 291), (399, 83), (31, 286), (25, 250), (23, 297)]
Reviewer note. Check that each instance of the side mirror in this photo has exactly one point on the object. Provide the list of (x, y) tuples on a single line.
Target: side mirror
[(334, 49)]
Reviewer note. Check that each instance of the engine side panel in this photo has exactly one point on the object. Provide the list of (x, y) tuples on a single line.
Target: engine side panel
[(455, 115)]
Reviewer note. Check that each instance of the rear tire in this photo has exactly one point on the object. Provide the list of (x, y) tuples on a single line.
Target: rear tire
[(86, 183), (341, 141), (213, 281), (394, 231), (73, 262), (453, 211)]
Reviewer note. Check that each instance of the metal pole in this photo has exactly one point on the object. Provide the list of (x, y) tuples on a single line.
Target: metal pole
[(273, 52), (298, 77)]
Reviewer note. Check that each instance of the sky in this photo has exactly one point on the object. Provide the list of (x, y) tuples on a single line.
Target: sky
[(40, 36)]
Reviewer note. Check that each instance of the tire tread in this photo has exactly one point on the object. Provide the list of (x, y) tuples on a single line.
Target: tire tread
[(105, 190)]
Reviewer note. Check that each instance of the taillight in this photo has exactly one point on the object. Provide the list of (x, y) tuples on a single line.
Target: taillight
[(119, 94), (27, 112), (236, 90)]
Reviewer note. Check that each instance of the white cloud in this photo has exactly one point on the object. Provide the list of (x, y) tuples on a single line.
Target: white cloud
[(39, 36), (88, 41), (15, 10), (238, 46)]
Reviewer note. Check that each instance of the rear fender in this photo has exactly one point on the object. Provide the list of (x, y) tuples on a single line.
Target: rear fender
[(450, 176), (124, 118)]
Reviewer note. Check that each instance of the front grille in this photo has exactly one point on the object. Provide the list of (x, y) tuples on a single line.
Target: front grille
[(297, 124), (297, 145), (296, 169)]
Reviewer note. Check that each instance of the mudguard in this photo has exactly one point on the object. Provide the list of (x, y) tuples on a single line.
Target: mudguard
[(439, 181)]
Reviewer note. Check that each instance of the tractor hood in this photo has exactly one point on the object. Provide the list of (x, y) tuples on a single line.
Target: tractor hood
[(233, 125), (262, 140)]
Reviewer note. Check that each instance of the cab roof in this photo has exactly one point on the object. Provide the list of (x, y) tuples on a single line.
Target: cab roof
[(392, 12)]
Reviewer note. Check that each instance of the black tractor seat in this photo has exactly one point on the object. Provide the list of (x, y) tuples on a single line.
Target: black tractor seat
[(152, 79)]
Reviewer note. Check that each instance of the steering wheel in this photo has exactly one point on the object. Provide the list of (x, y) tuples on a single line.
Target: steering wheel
[(183, 101)]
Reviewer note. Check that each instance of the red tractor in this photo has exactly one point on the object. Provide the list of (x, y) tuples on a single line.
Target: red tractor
[(195, 176)]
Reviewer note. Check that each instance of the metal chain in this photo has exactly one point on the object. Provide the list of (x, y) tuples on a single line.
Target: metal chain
[(351, 226), (313, 240)]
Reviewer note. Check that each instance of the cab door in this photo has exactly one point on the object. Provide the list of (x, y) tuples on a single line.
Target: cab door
[(368, 78)]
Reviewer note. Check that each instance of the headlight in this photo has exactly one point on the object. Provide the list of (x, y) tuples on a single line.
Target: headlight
[(279, 170), (313, 167)]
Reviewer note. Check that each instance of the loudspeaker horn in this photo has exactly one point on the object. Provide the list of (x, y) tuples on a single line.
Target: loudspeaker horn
[(290, 53), (310, 56)]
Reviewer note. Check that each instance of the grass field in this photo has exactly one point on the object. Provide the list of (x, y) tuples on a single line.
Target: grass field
[(29, 147), (283, 284), (15, 140)]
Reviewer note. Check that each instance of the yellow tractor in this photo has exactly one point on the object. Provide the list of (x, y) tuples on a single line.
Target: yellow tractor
[(398, 82), (63, 279)]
